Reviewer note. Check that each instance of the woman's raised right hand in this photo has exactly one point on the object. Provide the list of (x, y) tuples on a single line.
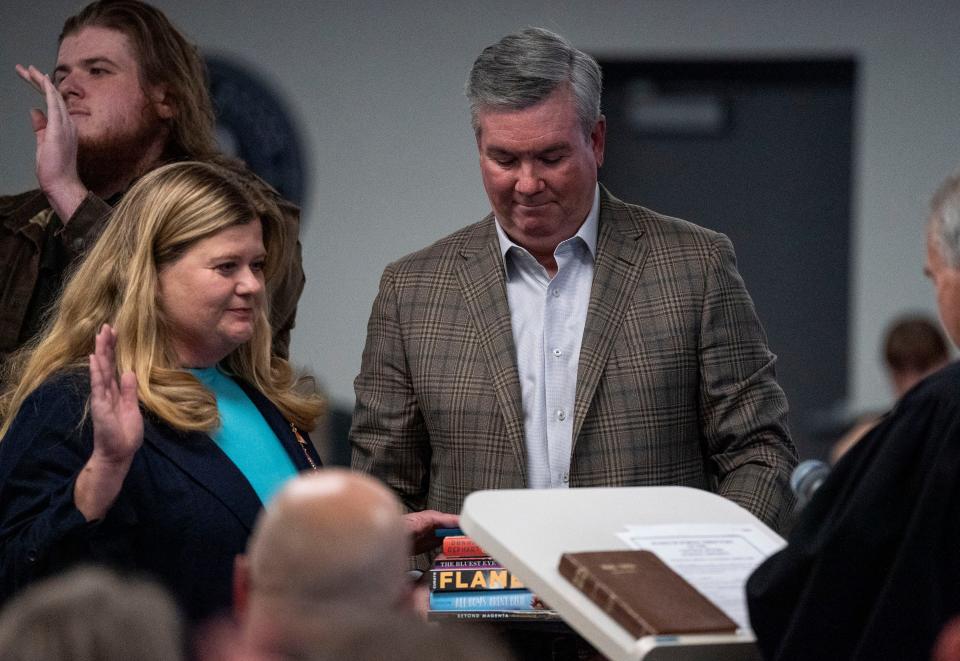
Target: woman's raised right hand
[(117, 430)]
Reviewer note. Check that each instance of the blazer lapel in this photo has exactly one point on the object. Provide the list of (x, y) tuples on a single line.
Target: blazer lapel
[(199, 457), (616, 272), (483, 284)]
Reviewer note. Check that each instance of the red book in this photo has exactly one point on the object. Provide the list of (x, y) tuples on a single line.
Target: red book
[(461, 546)]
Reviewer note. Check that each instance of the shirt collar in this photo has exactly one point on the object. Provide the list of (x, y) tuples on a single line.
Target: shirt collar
[(587, 232)]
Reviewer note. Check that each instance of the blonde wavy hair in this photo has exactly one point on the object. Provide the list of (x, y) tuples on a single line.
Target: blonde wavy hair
[(161, 217)]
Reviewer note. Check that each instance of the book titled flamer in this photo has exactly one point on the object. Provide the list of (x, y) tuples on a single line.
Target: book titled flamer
[(642, 593), (476, 578)]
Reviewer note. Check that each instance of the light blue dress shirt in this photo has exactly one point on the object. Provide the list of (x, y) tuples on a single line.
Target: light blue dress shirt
[(245, 437), (548, 316)]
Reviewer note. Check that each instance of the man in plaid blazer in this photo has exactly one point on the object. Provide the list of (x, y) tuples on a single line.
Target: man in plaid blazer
[(568, 339)]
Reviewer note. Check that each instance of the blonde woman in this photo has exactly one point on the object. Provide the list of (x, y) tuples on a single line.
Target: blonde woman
[(149, 423)]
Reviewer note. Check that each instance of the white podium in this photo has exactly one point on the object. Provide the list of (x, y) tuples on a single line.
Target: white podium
[(527, 530)]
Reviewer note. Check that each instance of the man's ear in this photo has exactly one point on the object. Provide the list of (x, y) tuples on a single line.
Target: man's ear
[(241, 586), (162, 102), (598, 139)]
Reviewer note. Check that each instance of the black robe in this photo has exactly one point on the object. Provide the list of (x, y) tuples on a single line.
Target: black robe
[(872, 568)]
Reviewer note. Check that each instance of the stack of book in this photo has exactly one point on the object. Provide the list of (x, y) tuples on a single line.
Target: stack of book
[(467, 584)]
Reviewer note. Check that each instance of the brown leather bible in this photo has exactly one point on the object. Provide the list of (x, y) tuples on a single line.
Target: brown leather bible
[(643, 594)]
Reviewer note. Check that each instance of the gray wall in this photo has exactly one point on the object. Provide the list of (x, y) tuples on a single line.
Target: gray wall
[(375, 88)]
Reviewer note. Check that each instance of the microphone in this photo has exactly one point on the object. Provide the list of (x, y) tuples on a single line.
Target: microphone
[(807, 478)]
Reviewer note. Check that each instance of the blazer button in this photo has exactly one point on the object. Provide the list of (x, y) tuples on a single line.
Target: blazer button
[(32, 556), (77, 244)]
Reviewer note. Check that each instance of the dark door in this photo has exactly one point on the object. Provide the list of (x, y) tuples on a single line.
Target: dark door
[(760, 151)]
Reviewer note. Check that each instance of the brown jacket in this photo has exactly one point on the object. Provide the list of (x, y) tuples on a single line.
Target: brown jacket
[(25, 222), (675, 384)]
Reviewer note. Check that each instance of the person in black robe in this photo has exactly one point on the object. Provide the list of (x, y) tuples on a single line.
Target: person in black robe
[(872, 565)]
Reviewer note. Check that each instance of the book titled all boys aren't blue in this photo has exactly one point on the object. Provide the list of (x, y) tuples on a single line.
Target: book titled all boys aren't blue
[(481, 600)]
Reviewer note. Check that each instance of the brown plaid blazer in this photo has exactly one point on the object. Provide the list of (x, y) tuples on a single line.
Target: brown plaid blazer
[(675, 384)]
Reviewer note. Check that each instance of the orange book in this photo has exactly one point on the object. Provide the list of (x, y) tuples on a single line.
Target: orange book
[(461, 546)]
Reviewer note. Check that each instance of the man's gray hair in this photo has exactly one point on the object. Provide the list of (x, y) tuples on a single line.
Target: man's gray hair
[(526, 67), (945, 219)]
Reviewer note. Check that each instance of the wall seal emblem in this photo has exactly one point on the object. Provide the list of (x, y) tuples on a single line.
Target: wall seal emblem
[(253, 124)]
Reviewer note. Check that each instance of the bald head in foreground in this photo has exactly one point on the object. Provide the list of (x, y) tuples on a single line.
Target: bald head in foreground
[(330, 543)]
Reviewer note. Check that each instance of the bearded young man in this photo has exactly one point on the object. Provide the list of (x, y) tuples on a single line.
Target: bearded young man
[(127, 95)]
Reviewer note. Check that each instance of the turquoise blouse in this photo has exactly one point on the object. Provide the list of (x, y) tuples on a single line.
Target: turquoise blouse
[(245, 437)]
